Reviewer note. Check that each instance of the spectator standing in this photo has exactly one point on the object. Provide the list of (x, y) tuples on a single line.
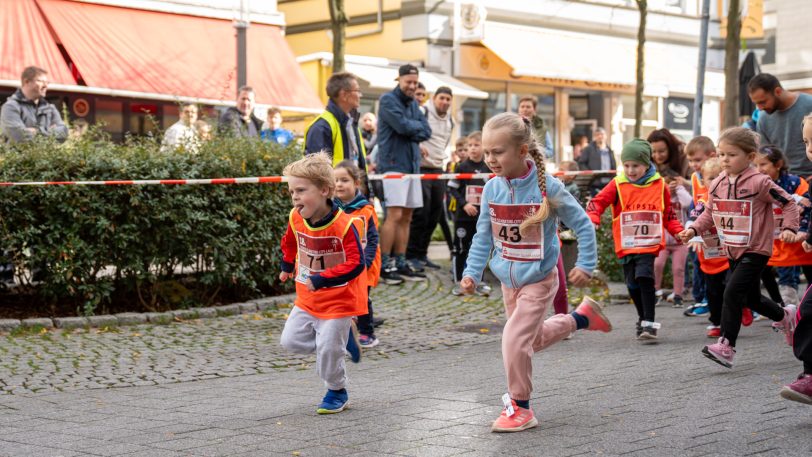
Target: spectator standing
[(182, 135), (597, 155), (240, 121), (272, 129), (26, 114), (780, 119), (369, 131), (203, 129), (401, 128), (527, 109), (421, 95), (435, 154), (336, 130)]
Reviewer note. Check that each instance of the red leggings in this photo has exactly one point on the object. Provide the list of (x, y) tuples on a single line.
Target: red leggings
[(560, 303)]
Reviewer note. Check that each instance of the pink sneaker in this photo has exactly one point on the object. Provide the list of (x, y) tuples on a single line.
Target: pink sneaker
[(720, 352), (800, 390), (521, 419), (787, 324), (593, 311)]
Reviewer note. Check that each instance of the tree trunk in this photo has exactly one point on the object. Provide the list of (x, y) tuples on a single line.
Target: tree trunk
[(338, 20), (642, 6), (732, 47)]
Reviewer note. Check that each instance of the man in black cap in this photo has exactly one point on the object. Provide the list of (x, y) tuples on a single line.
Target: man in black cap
[(401, 128)]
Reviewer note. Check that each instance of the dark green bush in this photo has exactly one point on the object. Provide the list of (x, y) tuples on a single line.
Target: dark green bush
[(94, 247)]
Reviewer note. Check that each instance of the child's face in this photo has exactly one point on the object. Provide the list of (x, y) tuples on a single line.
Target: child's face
[(659, 152), (708, 178), (308, 198), (475, 150), (502, 156), (345, 185), (634, 170), (696, 159), (734, 160), (462, 152), (807, 134), (766, 167)]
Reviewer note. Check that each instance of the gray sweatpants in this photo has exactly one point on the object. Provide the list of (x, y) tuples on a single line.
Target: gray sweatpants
[(306, 334)]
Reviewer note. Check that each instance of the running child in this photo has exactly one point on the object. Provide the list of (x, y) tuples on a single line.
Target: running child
[(349, 198), (641, 213), (698, 150), (681, 204), (518, 220), (321, 251), (801, 389), (740, 205), (468, 195)]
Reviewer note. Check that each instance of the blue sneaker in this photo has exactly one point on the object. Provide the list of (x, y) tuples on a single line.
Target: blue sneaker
[(353, 344), (699, 309), (333, 402)]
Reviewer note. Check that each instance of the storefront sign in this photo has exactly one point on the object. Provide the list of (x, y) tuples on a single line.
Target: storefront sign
[(679, 113), (473, 22)]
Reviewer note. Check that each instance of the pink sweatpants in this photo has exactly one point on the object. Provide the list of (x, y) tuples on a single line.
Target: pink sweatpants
[(678, 255), (560, 302), (526, 331)]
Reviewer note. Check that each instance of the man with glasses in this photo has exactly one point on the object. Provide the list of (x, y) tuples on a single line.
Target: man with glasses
[(27, 114)]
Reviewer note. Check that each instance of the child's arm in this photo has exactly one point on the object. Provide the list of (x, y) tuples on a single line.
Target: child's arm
[(481, 244), (372, 243), (568, 209), (772, 193), (606, 197), (684, 197), (347, 271), (289, 250)]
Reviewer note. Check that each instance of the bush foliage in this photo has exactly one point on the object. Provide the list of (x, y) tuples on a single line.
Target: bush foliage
[(154, 247)]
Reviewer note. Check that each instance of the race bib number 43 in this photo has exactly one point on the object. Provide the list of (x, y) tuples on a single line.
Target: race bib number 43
[(734, 221), (640, 229), (505, 222), (317, 254)]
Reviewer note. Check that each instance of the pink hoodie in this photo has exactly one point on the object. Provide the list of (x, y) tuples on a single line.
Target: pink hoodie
[(762, 193)]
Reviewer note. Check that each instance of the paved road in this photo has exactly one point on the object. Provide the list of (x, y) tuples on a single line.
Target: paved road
[(430, 390)]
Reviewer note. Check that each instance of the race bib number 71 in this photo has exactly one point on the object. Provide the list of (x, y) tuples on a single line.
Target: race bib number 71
[(317, 254)]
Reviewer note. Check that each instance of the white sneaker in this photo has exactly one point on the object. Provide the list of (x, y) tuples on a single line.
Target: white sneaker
[(659, 293), (670, 297)]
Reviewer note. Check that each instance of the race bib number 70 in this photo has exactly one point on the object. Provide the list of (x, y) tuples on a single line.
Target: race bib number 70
[(505, 222), (640, 229)]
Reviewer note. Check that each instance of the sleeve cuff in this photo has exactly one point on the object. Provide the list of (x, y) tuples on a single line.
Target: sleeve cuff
[(318, 281), (287, 267)]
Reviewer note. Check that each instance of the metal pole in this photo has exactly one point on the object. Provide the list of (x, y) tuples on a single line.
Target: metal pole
[(700, 68), (242, 28)]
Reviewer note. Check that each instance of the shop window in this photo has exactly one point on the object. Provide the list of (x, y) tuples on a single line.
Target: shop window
[(649, 107), (144, 119), (476, 112), (110, 116), (171, 115)]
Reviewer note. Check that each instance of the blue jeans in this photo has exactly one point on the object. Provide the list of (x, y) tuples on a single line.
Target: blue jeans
[(789, 276)]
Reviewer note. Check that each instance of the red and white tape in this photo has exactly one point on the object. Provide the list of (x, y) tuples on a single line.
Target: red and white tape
[(273, 179)]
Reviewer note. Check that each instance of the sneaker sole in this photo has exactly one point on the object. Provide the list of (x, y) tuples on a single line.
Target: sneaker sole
[(530, 424), (393, 282), (647, 337), (598, 309), (333, 411), (406, 278), (711, 356), (375, 343), (789, 394)]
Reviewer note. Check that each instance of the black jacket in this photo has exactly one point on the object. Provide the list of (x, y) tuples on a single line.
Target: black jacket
[(590, 159), (232, 124), (457, 187)]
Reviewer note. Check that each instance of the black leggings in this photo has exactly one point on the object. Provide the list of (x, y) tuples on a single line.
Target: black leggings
[(768, 278), (715, 292), (464, 231), (744, 289)]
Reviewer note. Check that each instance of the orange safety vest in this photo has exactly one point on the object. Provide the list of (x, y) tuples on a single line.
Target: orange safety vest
[(790, 254), (708, 266), (365, 213), (638, 228), (317, 250)]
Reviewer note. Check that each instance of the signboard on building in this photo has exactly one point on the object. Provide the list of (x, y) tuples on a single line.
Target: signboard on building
[(472, 20), (679, 113), (752, 18)]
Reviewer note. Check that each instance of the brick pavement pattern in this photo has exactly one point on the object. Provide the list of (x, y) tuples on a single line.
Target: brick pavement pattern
[(429, 389)]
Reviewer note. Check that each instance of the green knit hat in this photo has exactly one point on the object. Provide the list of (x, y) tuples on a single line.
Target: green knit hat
[(637, 150)]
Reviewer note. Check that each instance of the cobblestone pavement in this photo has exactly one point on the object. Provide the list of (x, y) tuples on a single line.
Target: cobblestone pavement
[(596, 394)]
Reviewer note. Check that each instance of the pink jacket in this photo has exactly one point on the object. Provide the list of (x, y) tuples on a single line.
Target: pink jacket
[(763, 193)]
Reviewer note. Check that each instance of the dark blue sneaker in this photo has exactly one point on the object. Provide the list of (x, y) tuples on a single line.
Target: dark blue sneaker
[(334, 402), (353, 345)]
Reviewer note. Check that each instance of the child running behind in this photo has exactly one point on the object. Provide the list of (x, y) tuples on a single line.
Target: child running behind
[(518, 220), (699, 150), (350, 199), (321, 251), (641, 212), (740, 205)]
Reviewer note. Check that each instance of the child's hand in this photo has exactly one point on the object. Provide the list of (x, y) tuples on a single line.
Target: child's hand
[(578, 278), (672, 187), (686, 235), (800, 236), (283, 276), (787, 236), (805, 202), (310, 285), (807, 247), (695, 246), (470, 209), (467, 285)]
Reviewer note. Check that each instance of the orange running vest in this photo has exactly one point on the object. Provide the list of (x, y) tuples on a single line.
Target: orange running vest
[(789, 254), (317, 250), (367, 213), (639, 228)]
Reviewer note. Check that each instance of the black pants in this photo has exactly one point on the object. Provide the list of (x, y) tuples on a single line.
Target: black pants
[(744, 289), (425, 219), (715, 292), (768, 278), (639, 274), (463, 237), (802, 344), (365, 321)]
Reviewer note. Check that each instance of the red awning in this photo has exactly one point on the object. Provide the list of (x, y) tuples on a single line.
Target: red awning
[(163, 53), (25, 40)]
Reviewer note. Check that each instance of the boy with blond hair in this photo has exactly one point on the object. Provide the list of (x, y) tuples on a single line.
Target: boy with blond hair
[(698, 151)]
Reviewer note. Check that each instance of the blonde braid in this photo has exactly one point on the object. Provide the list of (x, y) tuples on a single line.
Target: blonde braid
[(544, 210)]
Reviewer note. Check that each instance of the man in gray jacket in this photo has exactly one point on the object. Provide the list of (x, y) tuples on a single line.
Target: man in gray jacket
[(27, 114)]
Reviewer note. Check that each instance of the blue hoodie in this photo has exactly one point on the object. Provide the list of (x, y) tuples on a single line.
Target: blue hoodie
[(526, 190)]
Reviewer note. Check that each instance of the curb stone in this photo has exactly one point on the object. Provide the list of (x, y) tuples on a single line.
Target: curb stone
[(205, 313), (70, 322), (103, 320), (185, 314), (247, 308), (37, 321), (9, 324), (159, 318), (228, 310), (131, 318)]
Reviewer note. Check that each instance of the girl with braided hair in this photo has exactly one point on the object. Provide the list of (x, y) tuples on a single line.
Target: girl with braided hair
[(518, 220)]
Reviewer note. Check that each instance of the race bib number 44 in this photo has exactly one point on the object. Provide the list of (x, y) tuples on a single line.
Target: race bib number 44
[(641, 229), (734, 221), (317, 254), (505, 222)]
